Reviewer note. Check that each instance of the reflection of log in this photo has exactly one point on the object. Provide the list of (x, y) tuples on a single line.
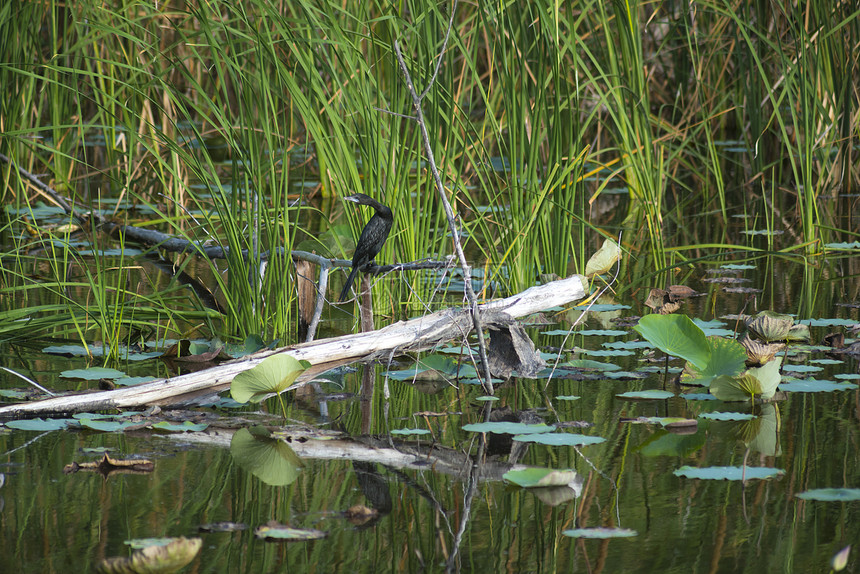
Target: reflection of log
[(401, 454), (401, 337)]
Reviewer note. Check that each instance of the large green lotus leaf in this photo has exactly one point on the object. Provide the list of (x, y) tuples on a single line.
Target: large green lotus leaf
[(769, 377), (269, 459), (730, 389), (676, 335), (273, 375), (600, 533), (727, 358), (537, 477), (604, 260), (729, 472), (758, 382)]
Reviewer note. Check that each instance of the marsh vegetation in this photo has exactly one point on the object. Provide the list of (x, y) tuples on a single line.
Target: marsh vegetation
[(716, 141)]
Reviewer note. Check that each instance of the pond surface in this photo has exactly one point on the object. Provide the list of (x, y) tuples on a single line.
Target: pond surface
[(429, 512)]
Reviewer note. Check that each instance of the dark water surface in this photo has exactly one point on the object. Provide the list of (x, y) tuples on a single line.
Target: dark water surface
[(53, 522)]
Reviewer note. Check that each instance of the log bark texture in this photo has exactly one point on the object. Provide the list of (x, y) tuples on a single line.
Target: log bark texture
[(415, 334)]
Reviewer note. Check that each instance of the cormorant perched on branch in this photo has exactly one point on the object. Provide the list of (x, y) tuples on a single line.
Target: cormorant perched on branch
[(372, 238)]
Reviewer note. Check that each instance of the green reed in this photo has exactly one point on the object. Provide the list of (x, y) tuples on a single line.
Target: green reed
[(130, 101)]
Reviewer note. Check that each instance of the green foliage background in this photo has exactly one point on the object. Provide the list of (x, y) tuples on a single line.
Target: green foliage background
[(240, 122)]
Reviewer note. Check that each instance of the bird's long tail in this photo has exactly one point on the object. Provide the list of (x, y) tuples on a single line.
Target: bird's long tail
[(348, 285)]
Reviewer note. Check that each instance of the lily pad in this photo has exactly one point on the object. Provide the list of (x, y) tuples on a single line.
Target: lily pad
[(727, 416), (815, 386), (131, 381), (729, 472), (649, 395), (699, 397), (567, 398), (406, 432), (186, 426), (600, 533), (92, 374), (107, 425), (601, 333), (508, 428), (831, 494), (606, 352), (801, 368), (40, 425), (539, 477), (286, 533), (628, 345), (559, 439)]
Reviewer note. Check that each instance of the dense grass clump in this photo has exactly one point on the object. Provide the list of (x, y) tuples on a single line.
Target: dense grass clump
[(235, 122)]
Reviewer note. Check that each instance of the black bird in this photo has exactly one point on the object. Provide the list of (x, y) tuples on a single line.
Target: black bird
[(372, 238)]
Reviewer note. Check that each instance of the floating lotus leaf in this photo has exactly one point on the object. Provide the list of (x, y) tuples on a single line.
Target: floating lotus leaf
[(831, 494), (758, 382), (503, 427), (280, 532), (728, 357), (649, 395), (165, 558), (559, 439), (720, 416), (600, 533), (770, 326), (729, 472), (815, 386), (604, 260)]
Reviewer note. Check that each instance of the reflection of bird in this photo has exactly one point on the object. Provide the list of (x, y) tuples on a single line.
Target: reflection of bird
[(372, 238)]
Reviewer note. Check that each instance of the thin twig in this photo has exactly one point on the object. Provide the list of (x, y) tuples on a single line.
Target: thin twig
[(449, 213)]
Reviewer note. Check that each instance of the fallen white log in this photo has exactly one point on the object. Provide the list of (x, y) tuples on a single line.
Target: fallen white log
[(404, 336)]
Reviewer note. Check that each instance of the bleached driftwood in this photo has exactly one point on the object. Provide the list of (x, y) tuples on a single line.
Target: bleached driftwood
[(404, 336)]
